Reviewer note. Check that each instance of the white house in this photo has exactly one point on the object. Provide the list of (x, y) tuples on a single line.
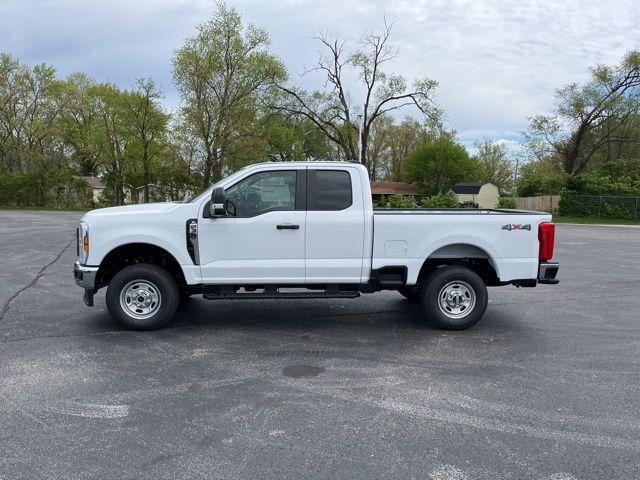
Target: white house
[(95, 185), (486, 195)]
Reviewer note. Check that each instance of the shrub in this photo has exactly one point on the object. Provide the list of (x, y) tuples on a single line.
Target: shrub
[(382, 202), (592, 205), (570, 206), (42, 188), (401, 201), (608, 209), (446, 199), (507, 202)]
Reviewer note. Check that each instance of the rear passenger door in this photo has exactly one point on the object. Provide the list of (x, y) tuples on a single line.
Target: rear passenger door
[(335, 226)]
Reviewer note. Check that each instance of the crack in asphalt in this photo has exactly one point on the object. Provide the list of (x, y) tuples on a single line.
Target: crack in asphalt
[(34, 280)]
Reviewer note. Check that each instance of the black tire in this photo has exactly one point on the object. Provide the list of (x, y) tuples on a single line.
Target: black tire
[(463, 286), (410, 293), (152, 282)]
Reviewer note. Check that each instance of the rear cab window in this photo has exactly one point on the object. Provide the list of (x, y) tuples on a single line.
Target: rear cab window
[(329, 190)]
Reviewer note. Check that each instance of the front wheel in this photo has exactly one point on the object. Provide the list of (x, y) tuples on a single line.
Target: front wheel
[(454, 298), (142, 297)]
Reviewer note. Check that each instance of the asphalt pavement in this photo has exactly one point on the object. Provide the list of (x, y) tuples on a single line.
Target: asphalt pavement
[(545, 386)]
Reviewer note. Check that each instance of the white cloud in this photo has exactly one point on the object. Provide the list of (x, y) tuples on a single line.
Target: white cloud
[(497, 61)]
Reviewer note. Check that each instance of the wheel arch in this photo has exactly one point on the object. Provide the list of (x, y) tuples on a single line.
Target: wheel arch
[(464, 254), (133, 253)]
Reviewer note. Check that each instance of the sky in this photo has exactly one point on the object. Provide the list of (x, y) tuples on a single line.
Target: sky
[(497, 62)]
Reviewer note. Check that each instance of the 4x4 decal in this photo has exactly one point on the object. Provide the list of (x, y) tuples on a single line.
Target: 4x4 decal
[(516, 226)]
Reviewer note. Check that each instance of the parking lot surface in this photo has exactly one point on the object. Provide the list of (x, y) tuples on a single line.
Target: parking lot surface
[(546, 386)]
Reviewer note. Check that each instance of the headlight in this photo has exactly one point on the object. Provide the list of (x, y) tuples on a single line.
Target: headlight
[(83, 242)]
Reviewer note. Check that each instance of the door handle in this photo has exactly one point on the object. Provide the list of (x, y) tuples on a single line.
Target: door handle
[(287, 226)]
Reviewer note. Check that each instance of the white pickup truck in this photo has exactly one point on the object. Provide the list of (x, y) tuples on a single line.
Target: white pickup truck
[(306, 230)]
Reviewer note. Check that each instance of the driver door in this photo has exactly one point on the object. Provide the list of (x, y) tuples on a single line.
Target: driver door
[(262, 238)]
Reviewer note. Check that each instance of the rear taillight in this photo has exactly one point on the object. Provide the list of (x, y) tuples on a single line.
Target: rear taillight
[(546, 237)]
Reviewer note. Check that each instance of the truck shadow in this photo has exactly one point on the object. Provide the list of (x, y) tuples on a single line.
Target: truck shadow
[(296, 314), (309, 315)]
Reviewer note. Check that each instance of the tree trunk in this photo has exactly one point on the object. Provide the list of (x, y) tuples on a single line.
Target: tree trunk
[(145, 174)]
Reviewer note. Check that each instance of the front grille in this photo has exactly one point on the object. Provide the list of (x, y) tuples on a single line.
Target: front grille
[(78, 242)]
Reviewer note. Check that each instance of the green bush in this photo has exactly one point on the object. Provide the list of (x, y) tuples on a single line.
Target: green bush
[(43, 188), (382, 202), (446, 199), (573, 205), (608, 209), (570, 206), (507, 202), (542, 177), (401, 201)]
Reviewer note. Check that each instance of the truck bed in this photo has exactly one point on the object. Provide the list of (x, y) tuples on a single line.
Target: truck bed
[(454, 211), (507, 238)]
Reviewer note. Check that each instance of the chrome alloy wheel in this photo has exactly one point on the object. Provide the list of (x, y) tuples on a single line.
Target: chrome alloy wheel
[(456, 299), (140, 299)]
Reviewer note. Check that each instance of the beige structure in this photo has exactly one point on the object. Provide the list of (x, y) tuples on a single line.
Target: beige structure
[(485, 195), (96, 186), (542, 203)]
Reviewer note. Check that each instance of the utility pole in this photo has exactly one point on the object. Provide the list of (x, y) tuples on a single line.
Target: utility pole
[(515, 176), (360, 138)]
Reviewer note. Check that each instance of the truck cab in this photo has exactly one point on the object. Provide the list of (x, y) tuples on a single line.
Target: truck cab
[(305, 230)]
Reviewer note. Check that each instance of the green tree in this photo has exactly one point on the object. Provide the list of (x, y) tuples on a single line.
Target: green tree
[(541, 177), (402, 140), (80, 122), (439, 164), (29, 110), (291, 138), (497, 168), (147, 129), (221, 74), (590, 117), (114, 137)]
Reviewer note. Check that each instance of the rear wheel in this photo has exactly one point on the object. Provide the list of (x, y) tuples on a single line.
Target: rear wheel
[(142, 297), (410, 293), (454, 298)]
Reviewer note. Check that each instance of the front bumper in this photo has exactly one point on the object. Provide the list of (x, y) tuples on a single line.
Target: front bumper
[(547, 272), (86, 278)]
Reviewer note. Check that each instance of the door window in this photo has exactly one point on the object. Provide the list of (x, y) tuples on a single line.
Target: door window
[(261, 193), (329, 190)]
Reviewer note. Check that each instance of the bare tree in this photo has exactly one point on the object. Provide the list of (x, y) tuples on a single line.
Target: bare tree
[(332, 111)]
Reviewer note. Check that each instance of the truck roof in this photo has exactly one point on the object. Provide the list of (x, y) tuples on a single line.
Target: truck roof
[(308, 163)]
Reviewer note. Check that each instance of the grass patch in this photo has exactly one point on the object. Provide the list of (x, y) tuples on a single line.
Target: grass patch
[(594, 220)]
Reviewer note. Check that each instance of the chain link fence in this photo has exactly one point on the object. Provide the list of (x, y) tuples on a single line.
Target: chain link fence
[(603, 206)]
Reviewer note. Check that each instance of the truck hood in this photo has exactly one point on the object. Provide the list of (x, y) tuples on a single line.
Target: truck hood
[(133, 210)]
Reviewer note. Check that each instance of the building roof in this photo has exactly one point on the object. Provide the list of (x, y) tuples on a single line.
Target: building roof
[(386, 188), (93, 182), (467, 188)]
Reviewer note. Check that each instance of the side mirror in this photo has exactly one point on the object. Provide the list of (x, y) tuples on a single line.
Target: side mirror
[(217, 208)]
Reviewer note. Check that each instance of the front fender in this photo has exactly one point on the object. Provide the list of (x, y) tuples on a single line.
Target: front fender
[(102, 249)]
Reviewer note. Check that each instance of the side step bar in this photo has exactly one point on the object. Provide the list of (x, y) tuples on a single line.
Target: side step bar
[(279, 295)]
